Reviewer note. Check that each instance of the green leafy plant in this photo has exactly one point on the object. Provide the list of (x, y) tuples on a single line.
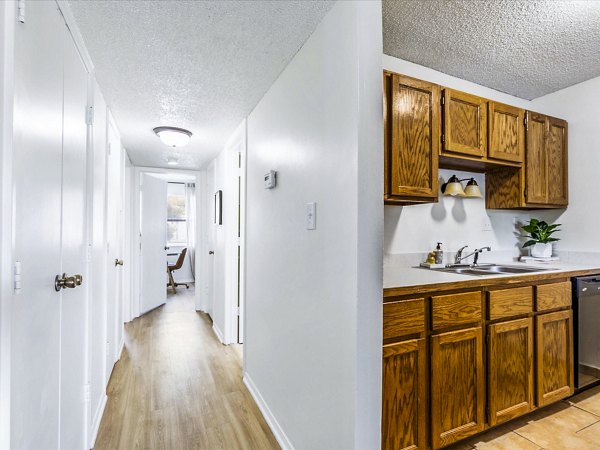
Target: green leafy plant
[(540, 232)]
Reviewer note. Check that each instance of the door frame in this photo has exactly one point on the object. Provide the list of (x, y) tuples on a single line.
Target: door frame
[(7, 30), (134, 221)]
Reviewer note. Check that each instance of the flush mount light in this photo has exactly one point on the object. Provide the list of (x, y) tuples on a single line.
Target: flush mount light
[(453, 187), (173, 136)]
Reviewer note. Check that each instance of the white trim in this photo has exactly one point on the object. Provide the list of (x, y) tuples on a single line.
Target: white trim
[(65, 10), (7, 30), (218, 333), (278, 432), (96, 421)]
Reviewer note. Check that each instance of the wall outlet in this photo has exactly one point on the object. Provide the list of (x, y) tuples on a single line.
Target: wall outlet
[(311, 216), (486, 225)]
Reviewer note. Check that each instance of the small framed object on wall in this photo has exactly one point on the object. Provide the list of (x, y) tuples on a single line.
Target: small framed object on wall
[(219, 207)]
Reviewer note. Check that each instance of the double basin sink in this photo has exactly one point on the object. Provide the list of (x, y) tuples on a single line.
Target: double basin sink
[(491, 269)]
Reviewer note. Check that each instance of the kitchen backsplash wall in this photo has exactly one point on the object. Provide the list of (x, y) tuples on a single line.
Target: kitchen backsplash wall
[(453, 221)]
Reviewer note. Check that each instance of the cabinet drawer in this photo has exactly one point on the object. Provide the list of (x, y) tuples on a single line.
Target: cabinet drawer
[(510, 302), (455, 309), (403, 318), (552, 296)]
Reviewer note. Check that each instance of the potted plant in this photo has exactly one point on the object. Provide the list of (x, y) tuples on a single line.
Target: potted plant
[(540, 238)]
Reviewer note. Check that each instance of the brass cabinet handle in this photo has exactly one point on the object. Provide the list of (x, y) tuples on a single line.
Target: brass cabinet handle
[(66, 282), (118, 262)]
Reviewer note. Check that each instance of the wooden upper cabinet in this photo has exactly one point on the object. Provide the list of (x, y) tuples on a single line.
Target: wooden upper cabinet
[(556, 148), (554, 356), (506, 134), (457, 386), (404, 413), (546, 182), (412, 139), (510, 369), (465, 124)]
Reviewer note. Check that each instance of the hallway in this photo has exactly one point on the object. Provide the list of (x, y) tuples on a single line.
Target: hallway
[(177, 387)]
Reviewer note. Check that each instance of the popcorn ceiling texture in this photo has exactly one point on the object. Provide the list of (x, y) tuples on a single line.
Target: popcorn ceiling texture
[(527, 48), (196, 65)]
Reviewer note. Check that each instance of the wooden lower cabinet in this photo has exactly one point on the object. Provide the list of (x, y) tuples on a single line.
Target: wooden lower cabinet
[(404, 415), (457, 386), (554, 356), (510, 369)]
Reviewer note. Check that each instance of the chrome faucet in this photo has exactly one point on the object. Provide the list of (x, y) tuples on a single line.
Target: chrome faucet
[(459, 257)]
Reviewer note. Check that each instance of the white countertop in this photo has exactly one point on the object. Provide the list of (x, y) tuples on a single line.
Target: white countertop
[(397, 276)]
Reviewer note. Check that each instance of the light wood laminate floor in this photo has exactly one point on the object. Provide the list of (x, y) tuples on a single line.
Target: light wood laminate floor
[(572, 424), (176, 387)]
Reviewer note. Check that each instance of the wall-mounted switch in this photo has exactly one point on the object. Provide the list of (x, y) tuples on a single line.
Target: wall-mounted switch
[(311, 216), (270, 179)]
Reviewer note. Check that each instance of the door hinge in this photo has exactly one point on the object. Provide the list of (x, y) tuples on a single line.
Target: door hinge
[(443, 138), (17, 277), (525, 192), (89, 116), (21, 11), (237, 311), (487, 412), (525, 122), (443, 100)]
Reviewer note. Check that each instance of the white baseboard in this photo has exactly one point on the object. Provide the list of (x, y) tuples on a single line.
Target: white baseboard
[(278, 432), (218, 333), (96, 421)]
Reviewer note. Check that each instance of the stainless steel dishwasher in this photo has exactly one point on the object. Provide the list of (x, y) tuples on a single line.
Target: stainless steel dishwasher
[(586, 314)]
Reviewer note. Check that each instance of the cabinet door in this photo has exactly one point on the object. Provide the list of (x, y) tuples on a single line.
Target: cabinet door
[(536, 178), (506, 132), (403, 424), (510, 369), (556, 150), (457, 386), (554, 356), (413, 137), (465, 124)]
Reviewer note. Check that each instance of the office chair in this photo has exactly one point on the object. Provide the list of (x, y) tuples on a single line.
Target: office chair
[(177, 266)]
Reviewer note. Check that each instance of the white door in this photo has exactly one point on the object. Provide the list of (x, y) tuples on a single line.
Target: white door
[(35, 331), (154, 242), (114, 233), (48, 331), (210, 222), (74, 261)]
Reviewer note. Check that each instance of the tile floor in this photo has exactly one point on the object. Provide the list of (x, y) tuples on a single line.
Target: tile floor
[(572, 424)]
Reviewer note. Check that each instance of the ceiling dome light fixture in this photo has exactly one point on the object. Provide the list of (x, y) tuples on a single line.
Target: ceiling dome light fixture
[(173, 136)]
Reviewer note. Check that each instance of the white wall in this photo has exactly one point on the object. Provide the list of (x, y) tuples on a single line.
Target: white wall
[(455, 222), (580, 106), (313, 298)]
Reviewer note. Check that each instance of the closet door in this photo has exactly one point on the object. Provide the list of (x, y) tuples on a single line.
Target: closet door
[(73, 230), (35, 332)]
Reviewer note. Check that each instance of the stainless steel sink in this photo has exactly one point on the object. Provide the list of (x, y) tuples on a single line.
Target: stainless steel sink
[(491, 269)]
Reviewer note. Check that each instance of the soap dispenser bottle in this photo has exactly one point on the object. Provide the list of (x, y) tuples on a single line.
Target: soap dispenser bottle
[(439, 253)]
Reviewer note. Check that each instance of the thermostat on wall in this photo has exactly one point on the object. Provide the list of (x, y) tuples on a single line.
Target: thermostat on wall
[(270, 179)]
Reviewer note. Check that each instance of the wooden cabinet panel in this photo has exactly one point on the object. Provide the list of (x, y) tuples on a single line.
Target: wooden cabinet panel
[(403, 318), (465, 124), (506, 137), (457, 386), (510, 369), (536, 163), (554, 356), (455, 309), (412, 138), (552, 296), (404, 415), (556, 148), (510, 302)]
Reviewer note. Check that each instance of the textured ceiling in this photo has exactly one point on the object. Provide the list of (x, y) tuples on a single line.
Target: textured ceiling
[(527, 48), (190, 64)]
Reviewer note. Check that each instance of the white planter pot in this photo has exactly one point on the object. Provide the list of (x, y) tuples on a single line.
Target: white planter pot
[(541, 250)]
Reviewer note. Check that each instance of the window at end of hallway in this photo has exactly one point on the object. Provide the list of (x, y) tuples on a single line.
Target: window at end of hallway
[(176, 214)]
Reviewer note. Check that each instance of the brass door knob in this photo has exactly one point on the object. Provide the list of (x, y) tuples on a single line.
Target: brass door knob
[(66, 282), (118, 262)]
